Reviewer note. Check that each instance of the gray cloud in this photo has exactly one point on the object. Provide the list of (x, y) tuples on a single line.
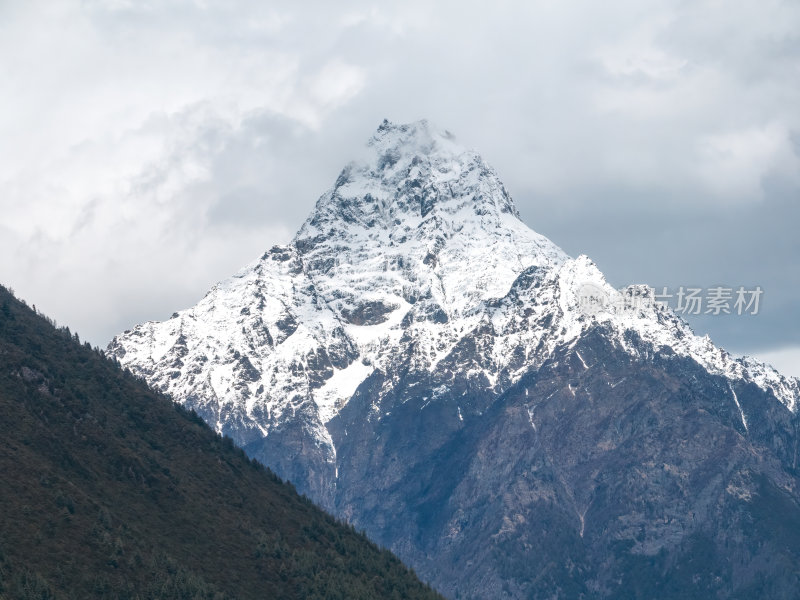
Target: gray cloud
[(150, 150)]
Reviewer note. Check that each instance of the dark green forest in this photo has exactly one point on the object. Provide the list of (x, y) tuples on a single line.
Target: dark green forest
[(109, 490)]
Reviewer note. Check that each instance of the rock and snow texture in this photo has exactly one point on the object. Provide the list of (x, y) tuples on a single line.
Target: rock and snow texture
[(408, 253), (425, 366)]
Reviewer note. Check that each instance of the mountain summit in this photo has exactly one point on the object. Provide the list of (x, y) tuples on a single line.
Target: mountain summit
[(420, 208), (410, 171), (398, 259), (423, 364)]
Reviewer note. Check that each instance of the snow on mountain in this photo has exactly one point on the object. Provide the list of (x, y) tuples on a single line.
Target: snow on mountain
[(412, 250)]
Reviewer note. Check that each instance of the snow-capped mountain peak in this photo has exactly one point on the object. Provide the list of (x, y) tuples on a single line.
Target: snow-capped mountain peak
[(416, 249), (417, 354), (411, 173)]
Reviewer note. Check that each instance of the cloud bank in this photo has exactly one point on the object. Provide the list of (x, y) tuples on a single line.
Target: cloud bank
[(148, 150)]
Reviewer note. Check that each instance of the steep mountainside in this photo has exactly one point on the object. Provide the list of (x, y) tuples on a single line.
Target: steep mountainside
[(426, 366), (111, 491)]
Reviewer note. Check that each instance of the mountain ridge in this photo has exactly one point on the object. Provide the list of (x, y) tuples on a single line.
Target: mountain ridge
[(408, 307), (354, 236)]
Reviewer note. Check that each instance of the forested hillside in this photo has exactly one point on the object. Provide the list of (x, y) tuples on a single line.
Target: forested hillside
[(109, 490)]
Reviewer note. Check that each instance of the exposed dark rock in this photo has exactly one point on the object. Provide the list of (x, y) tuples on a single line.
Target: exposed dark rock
[(371, 312)]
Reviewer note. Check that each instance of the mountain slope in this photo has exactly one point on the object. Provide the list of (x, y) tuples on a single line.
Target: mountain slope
[(395, 359), (110, 491)]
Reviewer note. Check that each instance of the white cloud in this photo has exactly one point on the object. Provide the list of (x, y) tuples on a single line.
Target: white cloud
[(734, 164), (110, 168), (136, 137)]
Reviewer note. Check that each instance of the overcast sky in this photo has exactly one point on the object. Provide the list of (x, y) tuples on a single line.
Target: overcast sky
[(150, 149)]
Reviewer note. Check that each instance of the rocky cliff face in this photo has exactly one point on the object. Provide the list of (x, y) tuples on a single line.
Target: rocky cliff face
[(423, 364)]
